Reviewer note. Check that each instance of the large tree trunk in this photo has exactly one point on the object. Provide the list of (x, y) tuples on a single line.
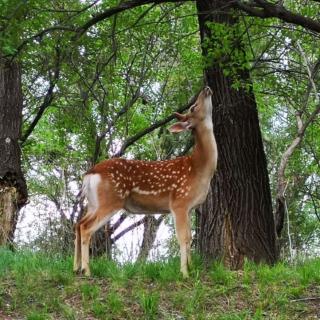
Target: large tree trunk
[(236, 221), (13, 190)]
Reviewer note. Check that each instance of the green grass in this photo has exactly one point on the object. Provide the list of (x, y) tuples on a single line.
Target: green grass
[(36, 286)]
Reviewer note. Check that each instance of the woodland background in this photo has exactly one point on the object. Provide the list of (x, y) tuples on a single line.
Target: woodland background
[(89, 80)]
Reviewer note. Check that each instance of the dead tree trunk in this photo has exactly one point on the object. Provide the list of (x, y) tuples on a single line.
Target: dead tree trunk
[(236, 221), (13, 189)]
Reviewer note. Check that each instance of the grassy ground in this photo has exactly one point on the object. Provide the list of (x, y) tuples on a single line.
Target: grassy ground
[(35, 286)]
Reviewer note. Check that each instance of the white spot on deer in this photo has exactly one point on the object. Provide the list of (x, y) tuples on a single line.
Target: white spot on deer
[(138, 190)]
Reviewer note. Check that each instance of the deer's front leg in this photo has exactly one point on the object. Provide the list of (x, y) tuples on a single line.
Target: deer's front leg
[(182, 224)]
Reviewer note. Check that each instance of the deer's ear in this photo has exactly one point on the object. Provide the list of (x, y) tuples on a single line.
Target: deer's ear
[(179, 127), (181, 117)]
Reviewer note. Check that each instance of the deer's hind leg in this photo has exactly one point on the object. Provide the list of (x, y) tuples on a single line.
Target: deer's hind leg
[(77, 249), (88, 228), (108, 205), (78, 241), (103, 203)]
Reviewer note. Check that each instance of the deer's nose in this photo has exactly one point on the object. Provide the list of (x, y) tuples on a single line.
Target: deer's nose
[(207, 91)]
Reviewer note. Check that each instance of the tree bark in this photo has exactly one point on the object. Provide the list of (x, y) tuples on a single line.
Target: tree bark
[(101, 243), (13, 189), (151, 226), (236, 221)]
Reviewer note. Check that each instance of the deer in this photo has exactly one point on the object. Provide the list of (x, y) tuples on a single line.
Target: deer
[(173, 186)]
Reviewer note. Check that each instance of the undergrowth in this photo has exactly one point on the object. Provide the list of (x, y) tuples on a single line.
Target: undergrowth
[(35, 286)]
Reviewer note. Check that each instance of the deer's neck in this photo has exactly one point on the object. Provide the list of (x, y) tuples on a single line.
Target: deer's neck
[(204, 155)]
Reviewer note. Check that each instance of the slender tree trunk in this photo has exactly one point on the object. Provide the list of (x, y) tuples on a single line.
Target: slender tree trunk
[(13, 189), (101, 243), (151, 226), (236, 221)]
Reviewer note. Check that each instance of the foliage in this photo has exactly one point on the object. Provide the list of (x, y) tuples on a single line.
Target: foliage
[(282, 88), (135, 68), (37, 286)]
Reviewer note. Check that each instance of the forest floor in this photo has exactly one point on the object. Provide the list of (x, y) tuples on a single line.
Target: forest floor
[(35, 286)]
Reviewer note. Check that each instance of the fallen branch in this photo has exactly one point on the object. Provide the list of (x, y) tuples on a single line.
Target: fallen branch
[(306, 299)]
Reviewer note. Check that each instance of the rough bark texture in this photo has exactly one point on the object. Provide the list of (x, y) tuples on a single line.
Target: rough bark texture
[(13, 190), (236, 221)]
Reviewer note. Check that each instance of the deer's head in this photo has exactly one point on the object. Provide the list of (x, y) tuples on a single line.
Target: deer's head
[(198, 113)]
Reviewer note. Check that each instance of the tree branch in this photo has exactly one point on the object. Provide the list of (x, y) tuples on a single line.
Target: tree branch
[(47, 99), (127, 143), (264, 9), (118, 223), (257, 8), (114, 10), (38, 36), (301, 128), (126, 230), (99, 138)]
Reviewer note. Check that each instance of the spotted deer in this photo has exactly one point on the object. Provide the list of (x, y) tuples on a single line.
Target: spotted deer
[(175, 186)]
